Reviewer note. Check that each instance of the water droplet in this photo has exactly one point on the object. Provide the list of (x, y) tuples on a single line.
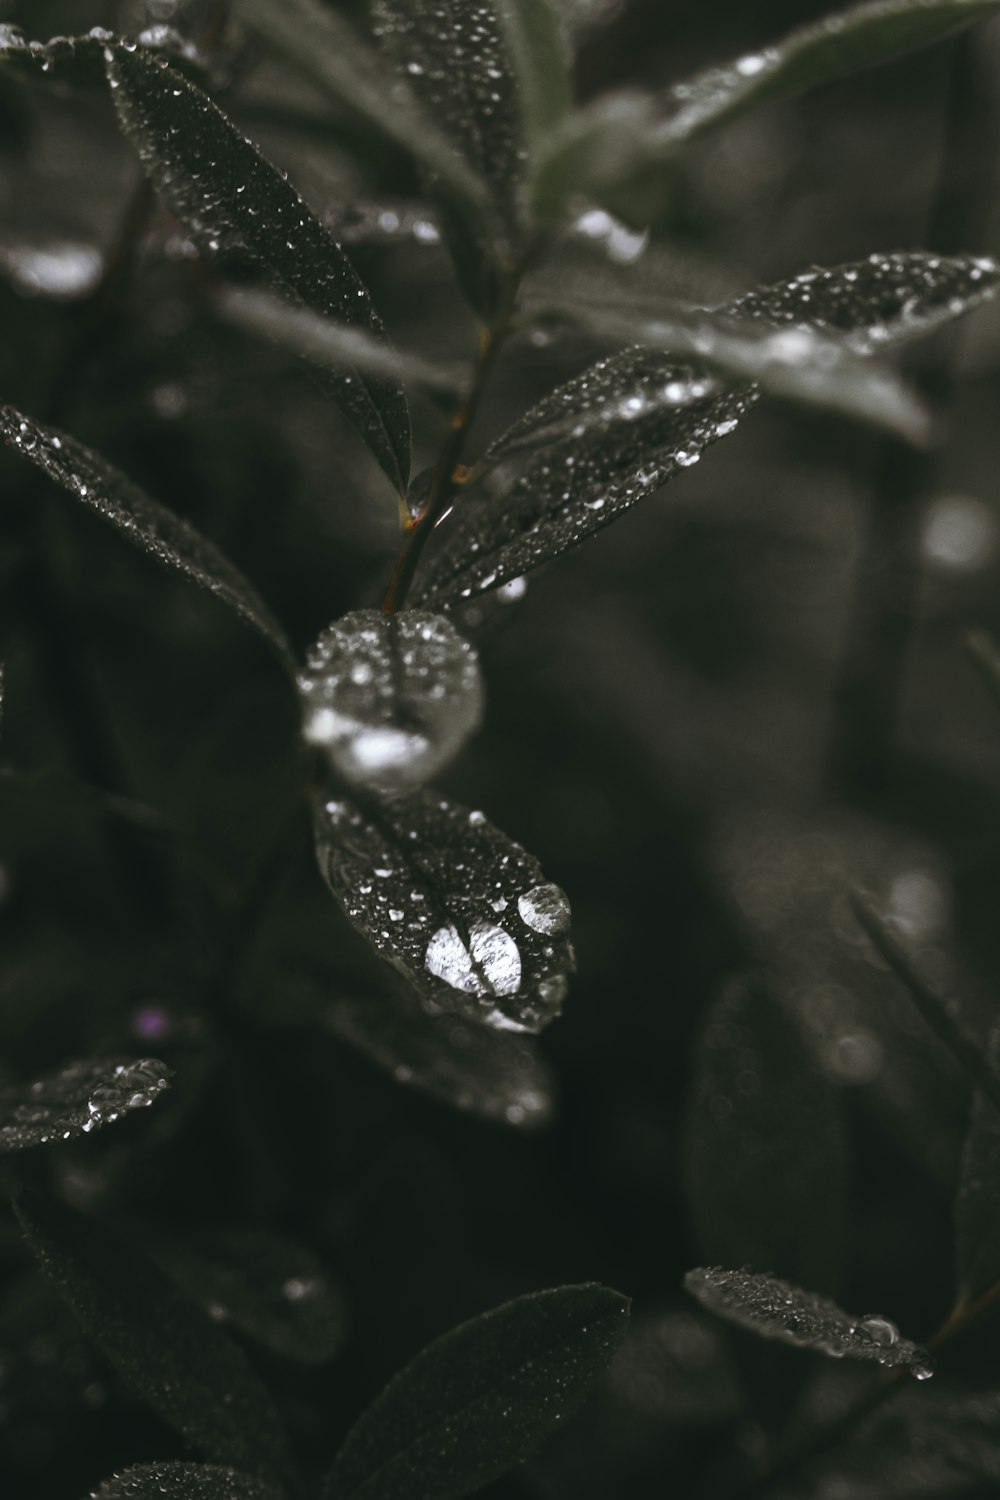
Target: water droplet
[(545, 909)]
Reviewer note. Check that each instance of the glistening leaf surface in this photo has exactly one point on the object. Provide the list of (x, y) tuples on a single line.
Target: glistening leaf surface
[(78, 61), (539, 54), (232, 199), (79, 1098), (184, 1481), (174, 1355), (481, 1398), (148, 525), (390, 698), (464, 913), (779, 1310)]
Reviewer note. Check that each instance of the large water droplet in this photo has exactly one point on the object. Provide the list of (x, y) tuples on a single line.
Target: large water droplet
[(546, 909)]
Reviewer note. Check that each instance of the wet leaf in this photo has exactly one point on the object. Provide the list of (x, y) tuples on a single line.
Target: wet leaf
[(180, 1481), (147, 524), (778, 1310), (391, 698), (482, 1072), (985, 652), (537, 47), (481, 1398), (275, 1292), (77, 1099), (79, 60), (765, 1154), (977, 1207), (464, 913), (232, 199), (634, 421), (187, 1369)]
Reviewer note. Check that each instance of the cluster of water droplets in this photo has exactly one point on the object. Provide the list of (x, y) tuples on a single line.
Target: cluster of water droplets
[(78, 1099), (184, 1481), (391, 698), (387, 223), (778, 1310)]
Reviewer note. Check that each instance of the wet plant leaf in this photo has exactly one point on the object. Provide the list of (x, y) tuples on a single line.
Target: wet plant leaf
[(538, 49), (464, 913), (79, 60), (79, 1098), (182, 1481), (779, 1310), (390, 698), (765, 1155), (480, 1398), (187, 1369), (233, 200), (977, 1207), (143, 521), (634, 421), (986, 654), (273, 1291)]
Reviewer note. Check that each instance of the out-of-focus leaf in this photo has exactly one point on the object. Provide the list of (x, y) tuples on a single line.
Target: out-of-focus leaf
[(538, 49), (480, 1398), (618, 432), (464, 913), (180, 1481), (332, 345), (391, 698), (765, 1157), (79, 60), (272, 1290), (78, 1099), (986, 654), (233, 199), (977, 1207), (147, 524), (327, 49), (779, 1310), (500, 1078), (171, 1351)]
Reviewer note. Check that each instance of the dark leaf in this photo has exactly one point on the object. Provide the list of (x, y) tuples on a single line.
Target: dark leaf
[(79, 60), (778, 1310), (146, 523), (765, 1158), (464, 913), (481, 1398), (233, 199), (391, 698), (78, 1099), (175, 1356), (537, 47), (986, 654), (634, 421), (179, 1481), (977, 1208), (272, 1290)]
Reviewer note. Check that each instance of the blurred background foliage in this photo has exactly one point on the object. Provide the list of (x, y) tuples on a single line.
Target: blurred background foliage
[(750, 692)]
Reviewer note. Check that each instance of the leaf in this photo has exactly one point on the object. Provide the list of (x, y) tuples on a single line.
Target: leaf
[(79, 60), (391, 698), (638, 419), (778, 1310), (464, 913), (272, 1290), (180, 1481), (176, 1357), (332, 345), (538, 50), (482, 1072), (986, 654), (232, 199), (765, 1155), (79, 1098), (977, 1206), (147, 524), (480, 1398)]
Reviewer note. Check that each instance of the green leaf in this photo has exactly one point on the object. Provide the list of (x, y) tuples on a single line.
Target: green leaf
[(79, 60), (977, 1206), (176, 1357), (143, 521), (232, 199), (765, 1160), (79, 1098), (464, 913), (779, 1310), (538, 50), (391, 698), (481, 1398), (180, 1481)]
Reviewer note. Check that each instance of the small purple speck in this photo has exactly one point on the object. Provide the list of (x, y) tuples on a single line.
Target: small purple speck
[(151, 1022)]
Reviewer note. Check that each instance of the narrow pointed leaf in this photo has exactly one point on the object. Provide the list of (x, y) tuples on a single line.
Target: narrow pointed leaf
[(77, 1099), (391, 698), (464, 913), (779, 1310), (79, 60), (977, 1208), (481, 1398), (181, 1481), (185, 1366), (143, 521), (638, 419), (538, 49), (232, 199), (765, 1160), (986, 654)]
